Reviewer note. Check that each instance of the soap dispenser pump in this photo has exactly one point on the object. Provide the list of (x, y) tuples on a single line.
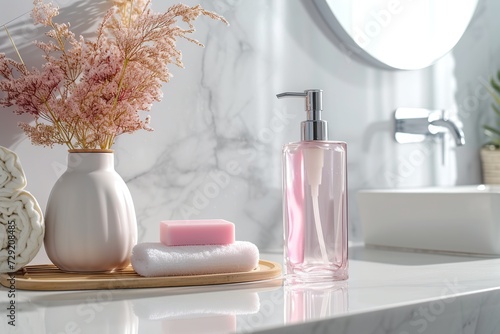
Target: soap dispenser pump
[(314, 200)]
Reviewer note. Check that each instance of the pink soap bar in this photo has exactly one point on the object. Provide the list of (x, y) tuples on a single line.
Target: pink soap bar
[(196, 232)]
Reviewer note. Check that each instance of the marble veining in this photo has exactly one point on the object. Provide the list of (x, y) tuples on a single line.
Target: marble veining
[(216, 148)]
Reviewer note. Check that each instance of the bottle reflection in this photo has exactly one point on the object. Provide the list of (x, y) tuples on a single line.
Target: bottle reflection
[(315, 301)]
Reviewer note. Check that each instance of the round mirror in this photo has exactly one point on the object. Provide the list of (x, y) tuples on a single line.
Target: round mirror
[(398, 34)]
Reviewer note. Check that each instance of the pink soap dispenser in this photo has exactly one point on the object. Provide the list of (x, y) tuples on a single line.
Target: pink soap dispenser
[(315, 200)]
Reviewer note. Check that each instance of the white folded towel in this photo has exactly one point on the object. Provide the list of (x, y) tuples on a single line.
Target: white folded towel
[(11, 173), (156, 259), (21, 229)]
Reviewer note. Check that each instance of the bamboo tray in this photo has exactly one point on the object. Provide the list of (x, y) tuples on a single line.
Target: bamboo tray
[(50, 278)]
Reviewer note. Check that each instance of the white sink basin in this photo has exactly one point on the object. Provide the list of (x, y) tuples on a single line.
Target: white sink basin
[(462, 219)]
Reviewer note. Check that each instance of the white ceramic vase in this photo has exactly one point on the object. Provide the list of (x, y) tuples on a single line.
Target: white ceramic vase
[(490, 161), (90, 222)]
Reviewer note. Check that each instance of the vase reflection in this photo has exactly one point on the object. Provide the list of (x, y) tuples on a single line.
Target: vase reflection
[(96, 313)]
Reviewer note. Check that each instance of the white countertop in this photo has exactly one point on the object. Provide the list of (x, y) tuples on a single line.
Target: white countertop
[(387, 292)]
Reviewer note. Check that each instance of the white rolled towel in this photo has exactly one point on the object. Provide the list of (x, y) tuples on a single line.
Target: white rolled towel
[(21, 229), (156, 259), (11, 173)]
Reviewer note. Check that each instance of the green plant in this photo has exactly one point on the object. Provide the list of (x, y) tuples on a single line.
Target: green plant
[(493, 131)]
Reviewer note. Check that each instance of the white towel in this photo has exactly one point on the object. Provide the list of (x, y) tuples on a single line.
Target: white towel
[(11, 173), (156, 259), (21, 229)]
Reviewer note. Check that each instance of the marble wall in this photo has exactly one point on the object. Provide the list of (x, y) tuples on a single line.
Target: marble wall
[(216, 148)]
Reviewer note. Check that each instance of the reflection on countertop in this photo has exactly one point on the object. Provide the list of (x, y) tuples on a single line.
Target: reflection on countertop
[(435, 293)]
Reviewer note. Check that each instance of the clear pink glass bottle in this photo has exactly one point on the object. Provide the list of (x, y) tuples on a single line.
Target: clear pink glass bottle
[(315, 201)]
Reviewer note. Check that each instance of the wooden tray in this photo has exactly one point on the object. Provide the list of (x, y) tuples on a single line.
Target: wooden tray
[(49, 277)]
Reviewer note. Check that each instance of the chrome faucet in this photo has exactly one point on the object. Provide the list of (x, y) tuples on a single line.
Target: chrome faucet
[(415, 125)]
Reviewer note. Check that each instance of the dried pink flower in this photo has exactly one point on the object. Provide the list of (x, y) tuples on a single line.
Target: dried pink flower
[(90, 91), (43, 13)]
